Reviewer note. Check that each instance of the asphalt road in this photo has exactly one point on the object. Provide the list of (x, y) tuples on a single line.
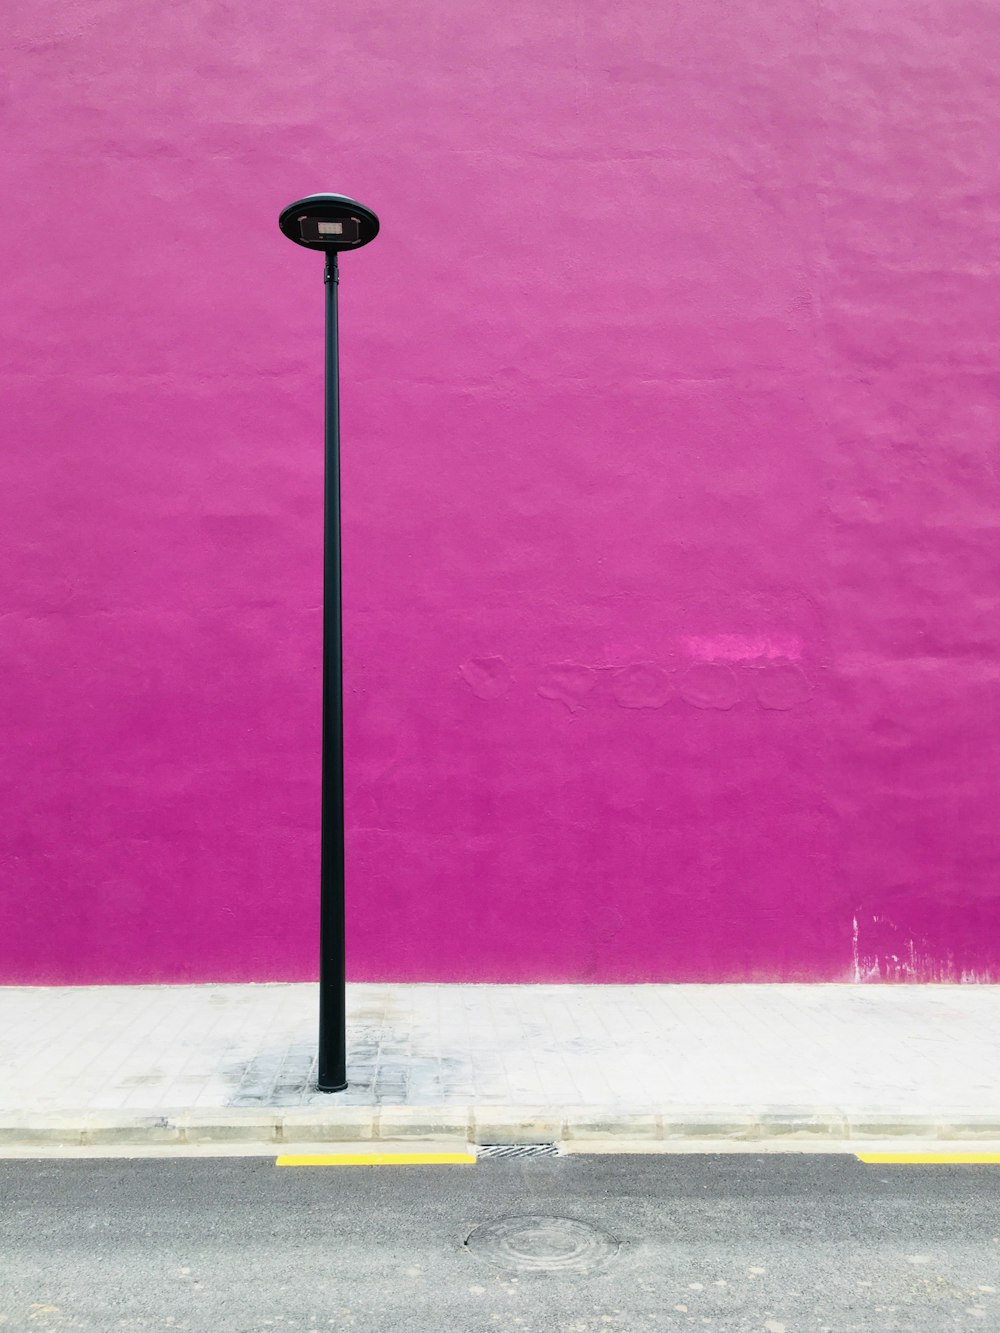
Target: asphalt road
[(776, 1244)]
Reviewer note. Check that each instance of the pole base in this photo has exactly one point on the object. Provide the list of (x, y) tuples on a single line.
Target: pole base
[(330, 1087)]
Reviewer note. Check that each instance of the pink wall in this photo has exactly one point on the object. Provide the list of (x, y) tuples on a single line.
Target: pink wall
[(671, 425)]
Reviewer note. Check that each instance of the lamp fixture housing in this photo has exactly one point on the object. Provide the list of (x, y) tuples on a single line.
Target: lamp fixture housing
[(328, 222)]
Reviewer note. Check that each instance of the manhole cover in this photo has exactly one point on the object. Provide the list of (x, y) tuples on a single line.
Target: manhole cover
[(549, 1244)]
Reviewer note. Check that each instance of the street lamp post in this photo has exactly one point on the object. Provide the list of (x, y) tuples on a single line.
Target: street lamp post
[(331, 223)]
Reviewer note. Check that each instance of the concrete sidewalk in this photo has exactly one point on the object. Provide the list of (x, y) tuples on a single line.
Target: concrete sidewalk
[(501, 1064)]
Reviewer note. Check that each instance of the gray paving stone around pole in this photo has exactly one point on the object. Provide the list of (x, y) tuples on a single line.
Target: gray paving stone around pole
[(221, 1063)]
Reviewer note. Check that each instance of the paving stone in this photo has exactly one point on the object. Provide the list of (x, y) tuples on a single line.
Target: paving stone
[(338, 1124), (708, 1122), (803, 1122), (397, 1122), (591, 1123), (970, 1125), (40, 1128), (122, 1128), (228, 1126), (516, 1124), (897, 1125)]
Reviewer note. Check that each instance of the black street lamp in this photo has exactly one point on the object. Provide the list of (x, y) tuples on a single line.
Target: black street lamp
[(331, 223)]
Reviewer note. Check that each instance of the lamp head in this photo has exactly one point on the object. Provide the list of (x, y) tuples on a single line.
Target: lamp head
[(328, 222)]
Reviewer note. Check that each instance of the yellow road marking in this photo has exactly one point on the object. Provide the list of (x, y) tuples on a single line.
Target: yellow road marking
[(929, 1158), (378, 1159)]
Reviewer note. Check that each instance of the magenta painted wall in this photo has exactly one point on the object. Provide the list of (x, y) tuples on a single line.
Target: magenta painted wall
[(671, 414)]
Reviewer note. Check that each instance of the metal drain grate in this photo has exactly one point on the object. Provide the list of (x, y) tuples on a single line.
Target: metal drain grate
[(516, 1150)]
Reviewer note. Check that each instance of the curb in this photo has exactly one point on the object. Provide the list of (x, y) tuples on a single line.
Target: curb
[(492, 1124)]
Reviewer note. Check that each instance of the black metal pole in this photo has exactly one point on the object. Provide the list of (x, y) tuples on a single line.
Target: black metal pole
[(332, 1000)]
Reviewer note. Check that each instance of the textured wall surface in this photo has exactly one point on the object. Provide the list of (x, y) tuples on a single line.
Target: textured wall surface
[(670, 482)]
